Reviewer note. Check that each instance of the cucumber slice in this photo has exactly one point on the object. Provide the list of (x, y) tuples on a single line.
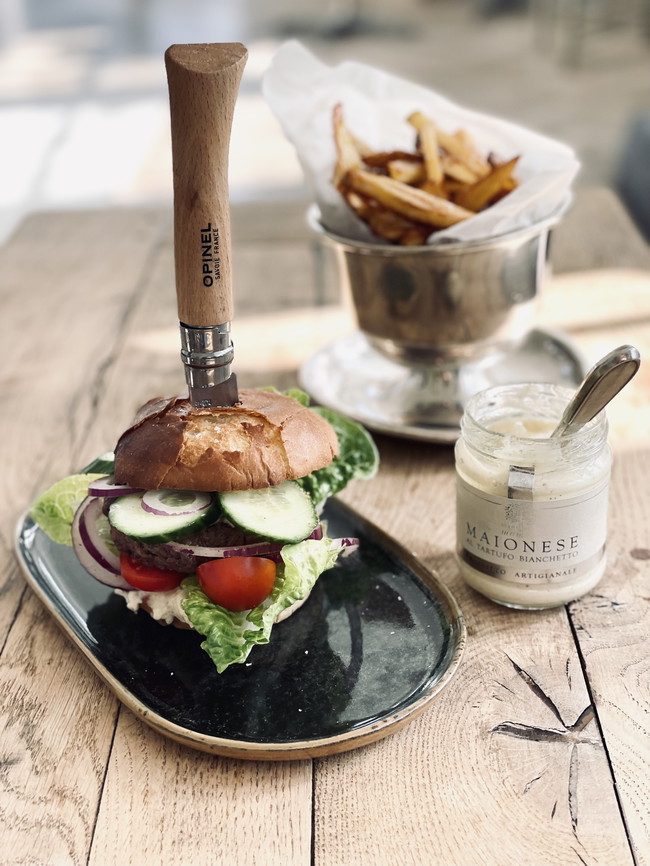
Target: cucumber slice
[(127, 515), (282, 513)]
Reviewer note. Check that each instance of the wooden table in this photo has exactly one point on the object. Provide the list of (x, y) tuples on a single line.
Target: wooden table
[(538, 752)]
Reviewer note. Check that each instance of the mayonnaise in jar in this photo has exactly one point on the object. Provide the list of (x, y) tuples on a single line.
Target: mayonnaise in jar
[(531, 511)]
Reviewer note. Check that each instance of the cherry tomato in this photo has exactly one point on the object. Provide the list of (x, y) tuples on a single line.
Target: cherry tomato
[(237, 582), (146, 577)]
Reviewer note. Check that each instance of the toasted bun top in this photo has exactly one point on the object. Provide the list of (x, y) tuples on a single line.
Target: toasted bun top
[(261, 441)]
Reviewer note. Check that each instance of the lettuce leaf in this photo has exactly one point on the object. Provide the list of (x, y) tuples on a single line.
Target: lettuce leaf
[(358, 458), (296, 394), (230, 636), (54, 510)]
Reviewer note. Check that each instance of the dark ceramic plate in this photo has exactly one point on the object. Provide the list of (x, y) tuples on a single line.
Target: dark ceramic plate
[(377, 640)]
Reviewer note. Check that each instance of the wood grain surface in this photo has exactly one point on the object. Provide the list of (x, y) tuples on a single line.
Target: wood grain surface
[(203, 86), (539, 750)]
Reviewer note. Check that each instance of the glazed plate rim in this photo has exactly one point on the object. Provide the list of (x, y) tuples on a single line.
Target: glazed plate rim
[(354, 737)]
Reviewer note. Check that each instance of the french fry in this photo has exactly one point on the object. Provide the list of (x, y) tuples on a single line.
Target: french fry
[(359, 205), (404, 196), (428, 145), (415, 236), (475, 158), (462, 149), (435, 188), (406, 200), (457, 170), (383, 157), (483, 192), (389, 225), (406, 171), (347, 153), (363, 148), (508, 185), (451, 187)]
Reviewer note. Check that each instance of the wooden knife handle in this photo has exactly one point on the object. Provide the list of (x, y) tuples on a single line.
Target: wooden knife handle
[(203, 84)]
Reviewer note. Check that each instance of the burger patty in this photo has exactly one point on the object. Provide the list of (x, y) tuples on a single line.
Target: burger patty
[(162, 556)]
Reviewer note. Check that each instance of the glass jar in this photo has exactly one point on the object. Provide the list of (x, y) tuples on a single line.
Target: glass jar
[(531, 510)]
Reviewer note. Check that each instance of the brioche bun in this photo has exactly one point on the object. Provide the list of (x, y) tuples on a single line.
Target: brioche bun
[(264, 439)]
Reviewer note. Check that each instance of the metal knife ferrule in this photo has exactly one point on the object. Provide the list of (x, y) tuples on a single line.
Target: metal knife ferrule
[(207, 354), (207, 347)]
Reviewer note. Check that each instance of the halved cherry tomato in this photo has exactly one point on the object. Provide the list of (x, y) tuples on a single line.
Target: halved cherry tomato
[(237, 582), (146, 577)]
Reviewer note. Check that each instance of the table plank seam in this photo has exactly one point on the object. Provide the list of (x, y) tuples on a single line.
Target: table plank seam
[(601, 731), (102, 787), (96, 388), (14, 618)]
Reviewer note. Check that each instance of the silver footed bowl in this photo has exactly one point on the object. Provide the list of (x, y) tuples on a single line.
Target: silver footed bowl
[(446, 304)]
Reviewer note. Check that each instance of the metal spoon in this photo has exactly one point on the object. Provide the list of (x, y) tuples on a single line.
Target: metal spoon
[(603, 382)]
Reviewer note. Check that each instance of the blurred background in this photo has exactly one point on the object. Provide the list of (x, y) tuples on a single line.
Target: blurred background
[(83, 99)]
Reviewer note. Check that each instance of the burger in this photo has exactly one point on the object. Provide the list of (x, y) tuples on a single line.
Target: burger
[(209, 518)]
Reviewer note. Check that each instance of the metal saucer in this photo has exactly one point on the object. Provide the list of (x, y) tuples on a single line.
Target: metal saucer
[(426, 402)]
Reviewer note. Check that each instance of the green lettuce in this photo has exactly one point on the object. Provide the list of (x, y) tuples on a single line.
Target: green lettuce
[(54, 510), (358, 458), (296, 394), (230, 636)]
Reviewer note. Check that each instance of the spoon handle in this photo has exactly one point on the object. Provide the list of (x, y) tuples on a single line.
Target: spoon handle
[(600, 385)]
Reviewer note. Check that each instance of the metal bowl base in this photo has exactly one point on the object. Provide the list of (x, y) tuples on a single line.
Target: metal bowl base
[(422, 401)]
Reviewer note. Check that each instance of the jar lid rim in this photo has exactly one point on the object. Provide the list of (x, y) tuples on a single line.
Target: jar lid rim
[(527, 392)]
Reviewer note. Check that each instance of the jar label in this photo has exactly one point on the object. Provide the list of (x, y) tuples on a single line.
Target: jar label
[(533, 542)]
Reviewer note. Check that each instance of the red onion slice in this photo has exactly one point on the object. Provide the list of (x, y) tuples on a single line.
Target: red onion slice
[(263, 548), (347, 545), (169, 503), (91, 550), (106, 486)]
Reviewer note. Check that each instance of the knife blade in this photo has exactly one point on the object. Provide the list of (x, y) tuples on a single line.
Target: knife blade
[(203, 82)]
